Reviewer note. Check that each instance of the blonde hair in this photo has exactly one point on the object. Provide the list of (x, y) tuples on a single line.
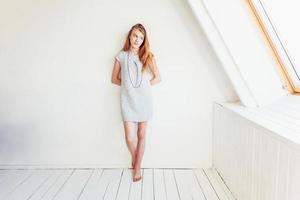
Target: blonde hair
[(146, 57)]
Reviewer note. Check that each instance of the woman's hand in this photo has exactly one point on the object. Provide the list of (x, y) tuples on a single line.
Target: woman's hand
[(156, 74), (115, 73)]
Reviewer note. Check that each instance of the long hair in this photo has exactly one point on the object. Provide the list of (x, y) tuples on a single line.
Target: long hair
[(146, 57)]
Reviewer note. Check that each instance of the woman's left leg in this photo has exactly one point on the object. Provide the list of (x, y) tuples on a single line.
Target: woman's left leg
[(139, 150)]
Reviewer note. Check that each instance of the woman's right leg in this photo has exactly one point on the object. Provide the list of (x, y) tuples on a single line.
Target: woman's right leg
[(130, 140)]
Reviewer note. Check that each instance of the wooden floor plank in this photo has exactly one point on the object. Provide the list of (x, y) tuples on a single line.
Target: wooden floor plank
[(4, 173), (45, 187), (15, 181), (86, 183), (73, 187), (91, 190), (58, 184), (197, 190), (203, 181), (147, 186), (219, 186), (159, 185), (32, 184), (187, 185), (104, 182), (113, 186), (125, 184), (171, 185), (136, 189)]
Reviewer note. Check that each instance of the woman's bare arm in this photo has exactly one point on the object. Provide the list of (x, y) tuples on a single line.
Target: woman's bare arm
[(156, 74), (115, 73)]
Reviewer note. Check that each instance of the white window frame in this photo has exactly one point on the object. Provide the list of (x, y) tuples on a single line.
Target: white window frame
[(289, 66)]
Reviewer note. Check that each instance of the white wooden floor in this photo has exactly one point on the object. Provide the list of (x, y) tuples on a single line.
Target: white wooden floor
[(69, 184)]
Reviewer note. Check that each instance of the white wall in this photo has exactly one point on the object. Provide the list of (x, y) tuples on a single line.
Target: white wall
[(58, 106)]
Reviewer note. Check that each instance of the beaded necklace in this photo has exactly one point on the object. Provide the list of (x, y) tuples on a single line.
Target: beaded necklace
[(137, 75)]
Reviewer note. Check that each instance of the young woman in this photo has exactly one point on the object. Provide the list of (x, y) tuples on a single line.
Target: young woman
[(135, 71)]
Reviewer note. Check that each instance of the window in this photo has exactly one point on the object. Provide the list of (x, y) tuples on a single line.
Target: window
[(280, 22)]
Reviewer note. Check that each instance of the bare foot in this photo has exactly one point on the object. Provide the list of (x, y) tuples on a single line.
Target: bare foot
[(137, 174)]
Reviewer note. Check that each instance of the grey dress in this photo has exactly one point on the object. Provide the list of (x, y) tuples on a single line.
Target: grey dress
[(136, 94)]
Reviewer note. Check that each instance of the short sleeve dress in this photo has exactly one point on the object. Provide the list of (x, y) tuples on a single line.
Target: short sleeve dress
[(136, 94)]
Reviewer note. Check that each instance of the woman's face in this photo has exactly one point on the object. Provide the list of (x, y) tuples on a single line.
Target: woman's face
[(136, 38)]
